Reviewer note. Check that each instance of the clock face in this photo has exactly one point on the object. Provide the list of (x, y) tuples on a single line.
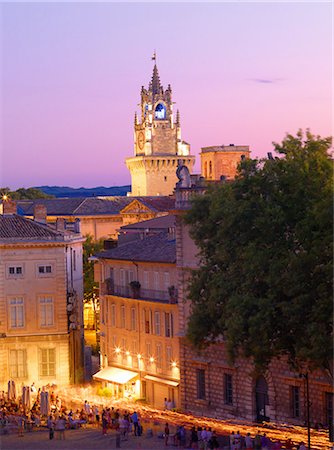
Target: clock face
[(141, 140)]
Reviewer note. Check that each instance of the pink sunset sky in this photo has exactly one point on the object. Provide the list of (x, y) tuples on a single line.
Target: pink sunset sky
[(242, 73)]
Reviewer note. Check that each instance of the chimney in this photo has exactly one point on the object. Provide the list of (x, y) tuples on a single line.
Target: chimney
[(60, 224), (40, 213), (9, 206)]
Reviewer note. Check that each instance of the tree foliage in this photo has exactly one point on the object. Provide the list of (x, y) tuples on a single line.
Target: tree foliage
[(265, 245), (90, 247), (24, 194)]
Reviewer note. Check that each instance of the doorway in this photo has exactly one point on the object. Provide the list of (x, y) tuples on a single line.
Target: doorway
[(261, 400)]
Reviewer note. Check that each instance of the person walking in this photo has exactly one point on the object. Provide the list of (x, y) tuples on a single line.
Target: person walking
[(134, 419), (166, 434), (193, 438), (248, 442), (104, 423)]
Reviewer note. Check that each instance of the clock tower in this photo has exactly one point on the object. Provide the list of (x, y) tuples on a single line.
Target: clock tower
[(157, 143)]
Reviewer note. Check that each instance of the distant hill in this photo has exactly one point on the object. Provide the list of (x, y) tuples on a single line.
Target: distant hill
[(65, 191)]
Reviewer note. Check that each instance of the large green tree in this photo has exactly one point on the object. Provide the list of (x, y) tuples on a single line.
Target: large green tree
[(265, 245)]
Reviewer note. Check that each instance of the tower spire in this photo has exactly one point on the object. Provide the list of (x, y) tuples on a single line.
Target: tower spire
[(155, 80)]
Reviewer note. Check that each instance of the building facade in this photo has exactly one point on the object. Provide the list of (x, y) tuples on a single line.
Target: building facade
[(210, 385), (41, 296), (139, 318), (157, 143)]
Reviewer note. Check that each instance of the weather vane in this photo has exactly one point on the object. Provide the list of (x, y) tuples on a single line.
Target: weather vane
[(154, 57)]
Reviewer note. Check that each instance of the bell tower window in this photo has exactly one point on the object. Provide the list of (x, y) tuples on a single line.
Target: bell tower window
[(160, 111)]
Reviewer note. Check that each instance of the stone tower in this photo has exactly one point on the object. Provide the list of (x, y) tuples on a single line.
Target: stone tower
[(157, 143)]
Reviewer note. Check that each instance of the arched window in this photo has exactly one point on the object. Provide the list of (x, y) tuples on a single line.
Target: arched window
[(210, 169), (206, 169), (160, 111)]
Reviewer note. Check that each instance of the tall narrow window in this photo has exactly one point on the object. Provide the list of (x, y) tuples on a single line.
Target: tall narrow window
[(146, 280), (123, 316), (158, 356), (169, 356), (295, 401), (157, 323), (200, 379), (133, 319), (148, 351), (156, 281), (113, 315), (74, 260), (228, 389), (168, 324), (46, 312), (47, 362), (16, 312), (166, 281), (18, 363)]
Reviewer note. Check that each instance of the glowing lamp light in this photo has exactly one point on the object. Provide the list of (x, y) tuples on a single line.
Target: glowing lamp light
[(5, 197), (139, 356), (117, 350), (151, 359), (127, 353), (174, 364)]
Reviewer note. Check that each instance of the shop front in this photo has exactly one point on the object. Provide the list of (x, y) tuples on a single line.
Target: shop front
[(121, 382), (159, 389)]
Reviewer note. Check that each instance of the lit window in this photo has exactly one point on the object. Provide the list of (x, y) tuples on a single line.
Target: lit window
[(47, 362), (18, 363), (46, 311), (160, 111), (16, 312)]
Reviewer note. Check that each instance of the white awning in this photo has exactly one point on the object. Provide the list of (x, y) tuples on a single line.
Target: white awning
[(115, 375), (161, 380)]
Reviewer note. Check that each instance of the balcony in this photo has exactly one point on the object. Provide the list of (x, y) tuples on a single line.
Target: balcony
[(109, 288)]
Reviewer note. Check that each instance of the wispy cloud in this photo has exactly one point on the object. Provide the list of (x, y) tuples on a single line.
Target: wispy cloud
[(266, 80)]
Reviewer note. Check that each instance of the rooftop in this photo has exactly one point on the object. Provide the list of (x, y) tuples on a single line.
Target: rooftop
[(92, 206), (18, 229), (152, 248)]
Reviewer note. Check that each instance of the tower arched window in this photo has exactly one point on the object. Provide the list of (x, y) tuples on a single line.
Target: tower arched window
[(206, 169), (160, 111), (210, 169)]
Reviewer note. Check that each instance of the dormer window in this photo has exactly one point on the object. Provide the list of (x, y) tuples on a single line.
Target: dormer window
[(160, 111)]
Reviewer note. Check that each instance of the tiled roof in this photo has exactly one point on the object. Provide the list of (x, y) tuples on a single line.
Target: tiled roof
[(158, 203), (14, 227), (154, 248), (163, 223), (92, 205)]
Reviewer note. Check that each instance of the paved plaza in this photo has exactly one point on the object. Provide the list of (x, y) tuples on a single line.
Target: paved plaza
[(81, 439)]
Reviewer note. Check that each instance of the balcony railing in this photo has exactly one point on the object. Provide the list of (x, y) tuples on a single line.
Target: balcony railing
[(109, 288)]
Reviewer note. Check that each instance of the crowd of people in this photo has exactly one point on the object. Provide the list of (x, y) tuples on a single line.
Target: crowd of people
[(15, 415)]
